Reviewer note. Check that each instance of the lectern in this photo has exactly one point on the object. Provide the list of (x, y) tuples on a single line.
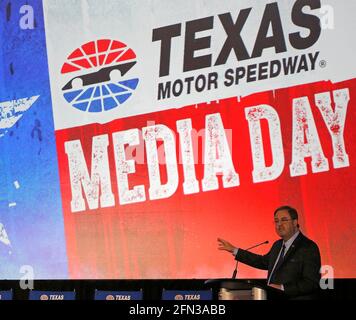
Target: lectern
[(237, 289)]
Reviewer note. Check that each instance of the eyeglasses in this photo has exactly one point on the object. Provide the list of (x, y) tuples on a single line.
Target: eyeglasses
[(282, 221)]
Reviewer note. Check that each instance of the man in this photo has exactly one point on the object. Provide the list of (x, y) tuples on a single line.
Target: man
[(293, 263)]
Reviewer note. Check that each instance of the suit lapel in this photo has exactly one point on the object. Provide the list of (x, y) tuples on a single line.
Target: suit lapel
[(292, 248), (275, 254)]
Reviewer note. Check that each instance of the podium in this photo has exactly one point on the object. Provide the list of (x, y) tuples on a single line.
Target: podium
[(236, 289)]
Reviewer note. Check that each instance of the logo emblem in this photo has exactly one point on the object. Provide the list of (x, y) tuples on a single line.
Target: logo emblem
[(178, 297), (43, 297), (99, 75)]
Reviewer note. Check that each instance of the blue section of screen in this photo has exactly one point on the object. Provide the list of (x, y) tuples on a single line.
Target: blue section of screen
[(30, 202)]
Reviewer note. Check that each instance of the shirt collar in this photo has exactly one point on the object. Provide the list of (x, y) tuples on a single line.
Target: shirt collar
[(291, 240)]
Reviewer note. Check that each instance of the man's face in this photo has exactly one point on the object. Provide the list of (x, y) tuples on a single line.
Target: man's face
[(285, 226)]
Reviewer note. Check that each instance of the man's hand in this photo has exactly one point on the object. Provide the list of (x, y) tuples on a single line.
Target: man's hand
[(225, 245), (276, 286)]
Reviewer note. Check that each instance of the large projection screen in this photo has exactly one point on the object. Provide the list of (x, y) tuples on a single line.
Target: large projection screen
[(135, 133)]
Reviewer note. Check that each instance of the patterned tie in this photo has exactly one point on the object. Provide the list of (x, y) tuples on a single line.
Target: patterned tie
[(280, 261)]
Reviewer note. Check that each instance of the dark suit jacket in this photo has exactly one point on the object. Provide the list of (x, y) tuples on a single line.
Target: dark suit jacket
[(300, 270)]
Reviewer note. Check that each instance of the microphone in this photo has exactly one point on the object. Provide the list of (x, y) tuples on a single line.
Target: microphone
[(257, 245)]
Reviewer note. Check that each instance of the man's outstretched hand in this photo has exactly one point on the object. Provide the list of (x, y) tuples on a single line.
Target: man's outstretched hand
[(276, 286), (225, 245)]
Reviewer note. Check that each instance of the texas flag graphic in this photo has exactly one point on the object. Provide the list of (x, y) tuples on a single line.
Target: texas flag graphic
[(12, 111), (31, 218)]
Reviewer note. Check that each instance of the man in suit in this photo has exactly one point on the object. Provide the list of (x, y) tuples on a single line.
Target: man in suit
[(293, 263)]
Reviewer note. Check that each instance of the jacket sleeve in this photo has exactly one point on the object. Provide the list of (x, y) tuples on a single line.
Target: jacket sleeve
[(252, 259), (310, 275)]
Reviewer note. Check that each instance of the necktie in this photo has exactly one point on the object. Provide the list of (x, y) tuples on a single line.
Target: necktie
[(280, 261)]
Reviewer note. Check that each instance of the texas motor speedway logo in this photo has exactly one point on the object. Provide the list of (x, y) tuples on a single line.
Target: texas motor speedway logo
[(97, 75)]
